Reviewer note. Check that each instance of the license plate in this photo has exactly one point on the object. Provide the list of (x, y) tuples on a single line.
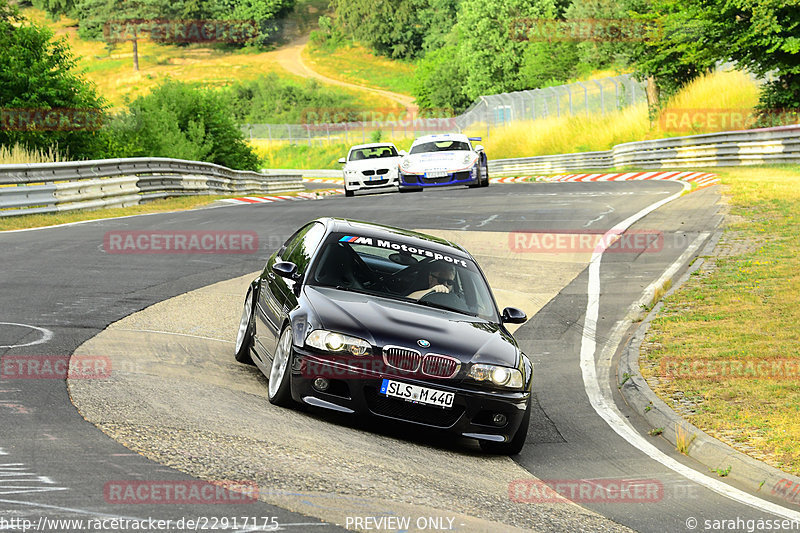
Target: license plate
[(436, 174), (417, 394)]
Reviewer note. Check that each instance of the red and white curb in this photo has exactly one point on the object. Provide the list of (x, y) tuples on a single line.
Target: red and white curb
[(316, 195), (335, 181), (703, 179)]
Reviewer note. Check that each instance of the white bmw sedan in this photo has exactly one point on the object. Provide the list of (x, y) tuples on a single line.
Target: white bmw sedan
[(370, 166)]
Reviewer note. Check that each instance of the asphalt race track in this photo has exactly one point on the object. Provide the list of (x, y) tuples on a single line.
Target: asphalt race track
[(180, 409)]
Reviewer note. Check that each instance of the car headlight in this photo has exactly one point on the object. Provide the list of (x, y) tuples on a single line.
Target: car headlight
[(330, 341), (405, 164), (502, 376), (467, 158)]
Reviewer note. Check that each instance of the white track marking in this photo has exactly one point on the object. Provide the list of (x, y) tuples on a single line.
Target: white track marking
[(46, 335), (179, 334), (606, 408)]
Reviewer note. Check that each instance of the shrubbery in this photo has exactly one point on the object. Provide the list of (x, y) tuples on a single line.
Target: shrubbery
[(184, 122)]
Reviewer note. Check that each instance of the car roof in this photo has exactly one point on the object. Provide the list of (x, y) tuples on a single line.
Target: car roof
[(442, 137), (372, 145), (380, 231)]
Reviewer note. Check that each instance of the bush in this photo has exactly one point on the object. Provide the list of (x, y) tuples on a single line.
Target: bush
[(276, 100), (38, 73), (180, 121)]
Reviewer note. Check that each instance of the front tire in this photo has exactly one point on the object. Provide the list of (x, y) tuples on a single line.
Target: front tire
[(517, 442), (347, 192), (278, 390), (485, 175), (244, 338), (478, 180)]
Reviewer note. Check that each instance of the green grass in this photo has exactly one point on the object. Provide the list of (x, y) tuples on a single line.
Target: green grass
[(157, 206), (279, 154), (743, 309), (356, 64)]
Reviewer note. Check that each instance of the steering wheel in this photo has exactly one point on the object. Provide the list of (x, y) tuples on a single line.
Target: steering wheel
[(449, 299)]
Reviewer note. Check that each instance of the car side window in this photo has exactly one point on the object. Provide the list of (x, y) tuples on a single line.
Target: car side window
[(300, 250)]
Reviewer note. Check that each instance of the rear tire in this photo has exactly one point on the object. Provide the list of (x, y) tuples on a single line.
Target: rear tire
[(244, 338), (517, 442), (279, 389)]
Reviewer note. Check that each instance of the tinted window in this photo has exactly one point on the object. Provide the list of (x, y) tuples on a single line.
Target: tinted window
[(301, 247), (439, 146), (373, 153), (398, 270)]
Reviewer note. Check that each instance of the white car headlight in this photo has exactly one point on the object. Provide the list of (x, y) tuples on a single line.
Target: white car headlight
[(406, 164), (467, 158), (502, 376), (330, 341)]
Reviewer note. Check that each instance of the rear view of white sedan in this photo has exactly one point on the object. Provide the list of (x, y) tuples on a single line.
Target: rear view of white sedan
[(370, 166)]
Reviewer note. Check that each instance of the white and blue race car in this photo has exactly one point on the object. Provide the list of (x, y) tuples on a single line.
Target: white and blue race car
[(444, 159)]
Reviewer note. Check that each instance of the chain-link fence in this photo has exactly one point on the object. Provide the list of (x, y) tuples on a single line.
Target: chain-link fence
[(588, 97), (487, 113)]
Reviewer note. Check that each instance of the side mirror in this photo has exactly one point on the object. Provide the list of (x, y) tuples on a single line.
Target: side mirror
[(479, 148), (512, 315), (342, 160), (403, 153), (285, 269)]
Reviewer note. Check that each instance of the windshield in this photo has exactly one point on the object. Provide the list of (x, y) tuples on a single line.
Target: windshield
[(439, 146), (376, 152), (401, 271)]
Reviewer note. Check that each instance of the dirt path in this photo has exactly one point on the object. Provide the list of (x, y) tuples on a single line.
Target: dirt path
[(290, 58)]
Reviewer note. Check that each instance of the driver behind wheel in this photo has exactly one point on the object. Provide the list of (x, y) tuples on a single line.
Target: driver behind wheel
[(441, 278)]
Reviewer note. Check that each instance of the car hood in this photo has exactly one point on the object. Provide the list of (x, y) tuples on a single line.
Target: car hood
[(365, 164), (383, 321), (441, 160)]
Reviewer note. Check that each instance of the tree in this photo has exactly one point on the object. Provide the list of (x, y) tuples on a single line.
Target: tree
[(394, 28), (490, 56), (97, 17), (434, 86), (38, 78)]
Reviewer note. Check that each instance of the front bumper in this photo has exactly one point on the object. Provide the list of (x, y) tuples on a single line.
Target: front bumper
[(355, 390), (360, 182), (460, 177)]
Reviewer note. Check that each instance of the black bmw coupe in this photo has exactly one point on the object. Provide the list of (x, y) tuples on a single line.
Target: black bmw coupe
[(369, 319)]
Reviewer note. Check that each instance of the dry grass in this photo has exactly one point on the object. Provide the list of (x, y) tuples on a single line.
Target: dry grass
[(19, 154), (112, 70), (742, 306), (355, 64), (709, 95)]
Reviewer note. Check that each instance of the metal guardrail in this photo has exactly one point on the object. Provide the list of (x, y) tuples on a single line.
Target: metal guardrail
[(779, 145), (54, 187)]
